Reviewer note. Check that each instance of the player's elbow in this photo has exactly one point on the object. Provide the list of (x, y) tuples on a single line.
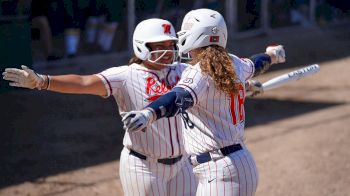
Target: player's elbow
[(168, 105), (92, 85)]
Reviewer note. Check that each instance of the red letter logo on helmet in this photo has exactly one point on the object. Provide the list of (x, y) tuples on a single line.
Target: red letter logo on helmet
[(166, 28)]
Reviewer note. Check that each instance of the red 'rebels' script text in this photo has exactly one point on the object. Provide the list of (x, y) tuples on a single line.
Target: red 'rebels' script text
[(155, 90)]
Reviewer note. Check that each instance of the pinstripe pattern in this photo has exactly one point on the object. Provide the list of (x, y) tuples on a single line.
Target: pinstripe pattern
[(214, 111), (140, 177), (218, 121), (233, 175), (130, 86)]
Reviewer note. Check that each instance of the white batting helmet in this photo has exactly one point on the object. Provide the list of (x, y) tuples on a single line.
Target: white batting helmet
[(202, 27), (152, 30)]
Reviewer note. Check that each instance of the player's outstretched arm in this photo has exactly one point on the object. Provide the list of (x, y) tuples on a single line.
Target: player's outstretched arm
[(263, 61), (74, 84), (25, 78), (168, 105)]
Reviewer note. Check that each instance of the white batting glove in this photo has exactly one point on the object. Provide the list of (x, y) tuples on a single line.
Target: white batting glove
[(277, 53), (137, 120), (254, 87), (25, 78)]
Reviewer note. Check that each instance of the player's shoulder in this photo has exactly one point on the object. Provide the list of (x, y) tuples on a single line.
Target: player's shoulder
[(193, 71), (193, 68), (114, 71), (118, 69), (244, 66), (240, 60)]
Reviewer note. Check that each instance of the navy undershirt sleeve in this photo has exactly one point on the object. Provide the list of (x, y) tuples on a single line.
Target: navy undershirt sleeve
[(173, 102), (262, 62)]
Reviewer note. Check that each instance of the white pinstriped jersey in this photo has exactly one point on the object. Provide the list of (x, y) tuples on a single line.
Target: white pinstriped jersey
[(217, 119), (133, 88)]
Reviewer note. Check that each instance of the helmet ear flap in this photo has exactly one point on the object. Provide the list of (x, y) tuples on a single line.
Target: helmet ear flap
[(183, 42), (140, 50), (148, 47)]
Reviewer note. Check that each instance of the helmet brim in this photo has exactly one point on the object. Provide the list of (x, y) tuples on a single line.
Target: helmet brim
[(161, 38)]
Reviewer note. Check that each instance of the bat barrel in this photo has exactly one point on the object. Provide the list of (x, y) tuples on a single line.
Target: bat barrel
[(291, 76)]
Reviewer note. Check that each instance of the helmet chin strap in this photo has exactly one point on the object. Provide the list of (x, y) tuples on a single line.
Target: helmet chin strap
[(161, 56)]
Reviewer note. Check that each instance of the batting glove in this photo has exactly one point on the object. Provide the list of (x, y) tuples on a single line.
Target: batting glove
[(254, 87), (25, 78), (137, 120), (277, 53)]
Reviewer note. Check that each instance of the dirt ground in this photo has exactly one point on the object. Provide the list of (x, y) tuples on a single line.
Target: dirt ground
[(54, 144)]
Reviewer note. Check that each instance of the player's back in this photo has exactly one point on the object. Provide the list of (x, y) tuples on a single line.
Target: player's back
[(217, 119)]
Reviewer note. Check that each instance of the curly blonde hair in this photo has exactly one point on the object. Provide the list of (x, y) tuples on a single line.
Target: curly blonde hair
[(216, 62)]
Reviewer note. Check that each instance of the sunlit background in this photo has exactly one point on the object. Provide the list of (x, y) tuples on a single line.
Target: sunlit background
[(56, 144)]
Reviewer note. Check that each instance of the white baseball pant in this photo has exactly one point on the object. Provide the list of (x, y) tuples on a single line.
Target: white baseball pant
[(234, 175), (148, 177)]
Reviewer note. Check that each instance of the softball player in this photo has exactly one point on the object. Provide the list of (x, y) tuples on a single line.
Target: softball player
[(210, 98), (152, 162)]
